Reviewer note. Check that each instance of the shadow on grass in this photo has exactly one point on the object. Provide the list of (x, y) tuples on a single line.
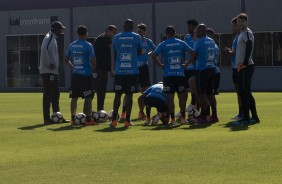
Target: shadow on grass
[(113, 129), (235, 128), (160, 127), (32, 127), (65, 128), (198, 126)]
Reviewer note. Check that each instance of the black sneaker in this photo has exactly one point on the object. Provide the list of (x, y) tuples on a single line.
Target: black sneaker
[(242, 122), (254, 121), (48, 122)]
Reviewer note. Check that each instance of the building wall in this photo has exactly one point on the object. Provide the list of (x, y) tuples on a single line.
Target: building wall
[(214, 13)]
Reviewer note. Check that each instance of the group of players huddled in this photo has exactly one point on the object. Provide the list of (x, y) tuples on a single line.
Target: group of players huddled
[(187, 65)]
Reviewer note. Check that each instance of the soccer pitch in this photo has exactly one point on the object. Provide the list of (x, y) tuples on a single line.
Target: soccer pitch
[(33, 153)]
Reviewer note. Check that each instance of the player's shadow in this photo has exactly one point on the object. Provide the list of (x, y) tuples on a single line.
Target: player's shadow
[(112, 129), (235, 128), (197, 126), (163, 127), (32, 127), (66, 128)]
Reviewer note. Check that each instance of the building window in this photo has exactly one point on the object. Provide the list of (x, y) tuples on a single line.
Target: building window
[(267, 50), (23, 55)]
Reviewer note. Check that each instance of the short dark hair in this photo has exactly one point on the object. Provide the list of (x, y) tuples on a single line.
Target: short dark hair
[(142, 26), (210, 30), (193, 22), (128, 25), (170, 30), (234, 20), (243, 16), (81, 30), (111, 27)]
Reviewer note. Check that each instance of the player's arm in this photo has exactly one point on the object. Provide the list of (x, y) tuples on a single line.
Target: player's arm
[(93, 63), (52, 52), (156, 60), (67, 61)]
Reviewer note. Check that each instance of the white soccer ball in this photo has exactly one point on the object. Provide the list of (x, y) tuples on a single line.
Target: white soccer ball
[(80, 118), (57, 117), (93, 116), (193, 114), (101, 116), (110, 115)]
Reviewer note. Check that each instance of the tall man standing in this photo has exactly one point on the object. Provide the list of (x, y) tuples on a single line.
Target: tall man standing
[(48, 68), (144, 71), (126, 46), (102, 45), (173, 53), (81, 58), (245, 67)]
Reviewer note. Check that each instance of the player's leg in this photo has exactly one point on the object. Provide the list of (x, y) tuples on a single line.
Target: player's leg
[(211, 86), (46, 98), (144, 83), (169, 89), (201, 83), (54, 92), (148, 108), (182, 97), (101, 89), (119, 89), (131, 86), (235, 83), (122, 116)]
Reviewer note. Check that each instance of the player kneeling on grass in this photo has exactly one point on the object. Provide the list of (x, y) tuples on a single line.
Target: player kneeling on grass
[(155, 97)]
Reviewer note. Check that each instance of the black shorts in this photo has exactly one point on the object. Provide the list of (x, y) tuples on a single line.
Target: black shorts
[(174, 84), (144, 76), (126, 84), (81, 86), (205, 81), (188, 74), (160, 105), (234, 75)]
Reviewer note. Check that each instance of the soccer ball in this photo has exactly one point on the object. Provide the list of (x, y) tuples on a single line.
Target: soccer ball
[(80, 119), (110, 115), (101, 116), (193, 114), (93, 116), (57, 117)]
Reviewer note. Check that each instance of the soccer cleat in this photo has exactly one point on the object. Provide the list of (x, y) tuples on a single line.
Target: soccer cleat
[(241, 123), (213, 119), (147, 122), (122, 116), (254, 121), (237, 118), (128, 123), (90, 123), (183, 121), (172, 122), (114, 123), (141, 116)]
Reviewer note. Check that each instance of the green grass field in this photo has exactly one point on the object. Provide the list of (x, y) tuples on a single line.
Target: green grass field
[(33, 153)]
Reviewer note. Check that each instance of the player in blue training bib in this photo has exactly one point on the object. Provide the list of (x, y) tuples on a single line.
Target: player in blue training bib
[(80, 56), (126, 46), (173, 58), (143, 67), (154, 96)]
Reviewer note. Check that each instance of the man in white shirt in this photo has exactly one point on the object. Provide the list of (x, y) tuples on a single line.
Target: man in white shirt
[(48, 69), (245, 68)]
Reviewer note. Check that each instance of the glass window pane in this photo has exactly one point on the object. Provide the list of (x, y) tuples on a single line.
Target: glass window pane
[(263, 49), (277, 49), (226, 40)]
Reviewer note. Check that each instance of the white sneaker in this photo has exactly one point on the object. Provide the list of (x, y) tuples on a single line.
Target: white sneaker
[(172, 122), (156, 119), (183, 121)]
